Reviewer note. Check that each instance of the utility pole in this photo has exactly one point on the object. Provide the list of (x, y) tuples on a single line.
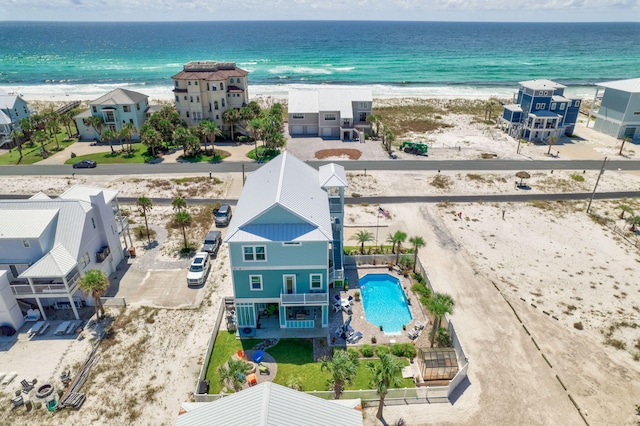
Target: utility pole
[(596, 185)]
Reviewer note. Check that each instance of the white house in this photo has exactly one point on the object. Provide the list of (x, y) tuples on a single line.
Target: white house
[(12, 109), (46, 245), (330, 113), (117, 108), (619, 112)]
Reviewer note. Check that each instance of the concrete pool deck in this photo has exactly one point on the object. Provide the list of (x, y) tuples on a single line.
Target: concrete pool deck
[(359, 322)]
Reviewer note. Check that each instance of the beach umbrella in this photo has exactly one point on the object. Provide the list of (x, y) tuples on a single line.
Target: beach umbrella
[(522, 175), (348, 322)]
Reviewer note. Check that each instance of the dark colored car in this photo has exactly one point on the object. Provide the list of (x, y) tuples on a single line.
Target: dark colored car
[(85, 164), (223, 215), (212, 243)]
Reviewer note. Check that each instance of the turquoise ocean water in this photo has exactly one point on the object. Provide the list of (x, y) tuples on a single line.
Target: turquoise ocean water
[(392, 58)]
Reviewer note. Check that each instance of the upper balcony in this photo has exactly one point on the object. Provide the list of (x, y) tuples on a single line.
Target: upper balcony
[(53, 289), (304, 299)]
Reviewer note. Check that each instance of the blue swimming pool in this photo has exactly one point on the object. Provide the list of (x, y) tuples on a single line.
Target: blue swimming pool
[(384, 302)]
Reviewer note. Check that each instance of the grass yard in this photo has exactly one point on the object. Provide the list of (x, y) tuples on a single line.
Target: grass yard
[(204, 158), (31, 154), (225, 346), (264, 154), (139, 155)]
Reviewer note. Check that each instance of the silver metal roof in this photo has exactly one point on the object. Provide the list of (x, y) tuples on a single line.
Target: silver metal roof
[(279, 232), (271, 404), (40, 196), (57, 263), (25, 223), (542, 85), (315, 101), (303, 101), (631, 85), (84, 193), (120, 97), (513, 107), (332, 175), (288, 183)]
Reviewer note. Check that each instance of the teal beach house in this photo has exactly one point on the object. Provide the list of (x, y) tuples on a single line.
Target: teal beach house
[(285, 245)]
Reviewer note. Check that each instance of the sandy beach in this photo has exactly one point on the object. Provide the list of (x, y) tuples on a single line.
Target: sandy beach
[(568, 276)]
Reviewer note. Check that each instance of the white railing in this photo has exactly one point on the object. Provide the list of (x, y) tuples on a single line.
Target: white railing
[(26, 289), (304, 298)]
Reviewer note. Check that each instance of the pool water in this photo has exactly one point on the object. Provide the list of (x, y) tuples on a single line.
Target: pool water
[(384, 302)]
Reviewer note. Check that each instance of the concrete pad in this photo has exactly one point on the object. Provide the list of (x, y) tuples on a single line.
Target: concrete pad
[(166, 288)]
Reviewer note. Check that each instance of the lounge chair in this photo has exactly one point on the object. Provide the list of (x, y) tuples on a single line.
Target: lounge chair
[(350, 298), (257, 357), (72, 327), (413, 334), (337, 308), (337, 298), (17, 401), (354, 337), (27, 386), (62, 328), (9, 378), (44, 329), (419, 325)]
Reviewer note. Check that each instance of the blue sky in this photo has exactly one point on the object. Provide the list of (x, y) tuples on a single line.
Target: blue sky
[(413, 10)]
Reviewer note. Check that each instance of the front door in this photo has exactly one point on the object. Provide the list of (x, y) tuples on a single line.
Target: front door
[(289, 284)]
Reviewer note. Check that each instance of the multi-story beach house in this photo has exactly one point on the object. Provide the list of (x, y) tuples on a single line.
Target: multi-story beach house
[(47, 244), (12, 109), (540, 110), (619, 111), (330, 113), (207, 89), (286, 244), (117, 108)]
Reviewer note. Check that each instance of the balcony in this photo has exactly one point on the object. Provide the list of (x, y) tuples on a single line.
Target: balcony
[(304, 299), (335, 205), (102, 255), (51, 289)]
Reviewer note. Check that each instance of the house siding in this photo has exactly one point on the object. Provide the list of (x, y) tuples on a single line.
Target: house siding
[(308, 253), (273, 282)]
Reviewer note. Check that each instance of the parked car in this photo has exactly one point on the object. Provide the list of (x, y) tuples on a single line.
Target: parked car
[(199, 269), (85, 164), (223, 216), (212, 243)]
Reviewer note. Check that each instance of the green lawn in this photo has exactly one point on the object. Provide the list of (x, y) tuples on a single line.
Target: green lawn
[(226, 345), (203, 158), (140, 155), (264, 153), (31, 154), (294, 358)]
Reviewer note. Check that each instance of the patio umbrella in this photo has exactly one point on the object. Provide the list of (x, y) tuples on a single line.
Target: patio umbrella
[(345, 327), (522, 176)]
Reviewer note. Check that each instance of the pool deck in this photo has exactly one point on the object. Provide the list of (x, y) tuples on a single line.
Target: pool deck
[(359, 323)]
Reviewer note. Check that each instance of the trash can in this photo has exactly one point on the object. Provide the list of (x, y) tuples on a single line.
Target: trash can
[(132, 251)]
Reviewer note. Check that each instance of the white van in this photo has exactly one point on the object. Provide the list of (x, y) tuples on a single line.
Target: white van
[(199, 269)]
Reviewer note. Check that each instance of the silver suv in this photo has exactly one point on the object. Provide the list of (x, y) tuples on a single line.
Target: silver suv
[(199, 269)]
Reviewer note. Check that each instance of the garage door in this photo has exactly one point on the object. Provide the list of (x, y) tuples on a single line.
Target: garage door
[(296, 130), (312, 130), (327, 132)]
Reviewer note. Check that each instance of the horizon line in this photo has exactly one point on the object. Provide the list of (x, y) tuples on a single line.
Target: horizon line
[(316, 20)]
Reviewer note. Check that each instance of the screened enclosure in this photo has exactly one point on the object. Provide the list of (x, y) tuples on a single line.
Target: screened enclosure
[(437, 363)]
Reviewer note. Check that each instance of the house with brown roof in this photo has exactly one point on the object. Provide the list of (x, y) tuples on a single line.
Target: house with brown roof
[(206, 89)]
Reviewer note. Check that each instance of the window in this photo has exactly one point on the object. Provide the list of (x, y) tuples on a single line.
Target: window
[(185, 97), (190, 98), (131, 120), (291, 243), (189, 83), (207, 86), (187, 114), (196, 83), (177, 99), (93, 223), (330, 117), (362, 116), (110, 117), (126, 108), (26, 244), (217, 117), (363, 105), (84, 261), (213, 87), (298, 116), (540, 106), (14, 271), (316, 281), (255, 253), (176, 84), (222, 103), (221, 86), (197, 98), (210, 109), (231, 81), (553, 105), (138, 107), (562, 106), (576, 103), (215, 105), (94, 109), (636, 113), (255, 282)]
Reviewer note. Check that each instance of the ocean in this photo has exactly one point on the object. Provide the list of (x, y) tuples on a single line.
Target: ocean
[(59, 60)]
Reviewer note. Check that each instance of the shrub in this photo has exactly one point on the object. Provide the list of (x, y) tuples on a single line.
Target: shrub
[(578, 325), (406, 350), (382, 350), (374, 340), (141, 233), (410, 350), (417, 276), (366, 351), (421, 290), (353, 354), (442, 338), (577, 177)]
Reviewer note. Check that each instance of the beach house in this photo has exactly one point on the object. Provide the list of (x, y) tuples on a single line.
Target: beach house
[(540, 109), (12, 109), (330, 113), (46, 245), (207, 89), (286, 245), (619, 111), (117, 108)]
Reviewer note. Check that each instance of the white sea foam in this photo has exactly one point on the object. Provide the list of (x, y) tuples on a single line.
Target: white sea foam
[(283, 69)]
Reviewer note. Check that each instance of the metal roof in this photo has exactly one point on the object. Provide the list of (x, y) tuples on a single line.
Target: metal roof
[(4, 118), (557, 98), (271, 404), (84, 193), (332, 175), (542, 85), (120, 97), (324, 100), (40, 196), (25, 223), (513, 107), (544, 113), (288, 183), (631, 85), (57, 263), (303, 102), (279, 232)]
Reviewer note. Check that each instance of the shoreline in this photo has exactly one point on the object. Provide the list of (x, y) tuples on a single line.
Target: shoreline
[(163, 93)]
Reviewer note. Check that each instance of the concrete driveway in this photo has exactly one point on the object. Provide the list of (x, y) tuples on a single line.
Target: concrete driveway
[(166, 288)]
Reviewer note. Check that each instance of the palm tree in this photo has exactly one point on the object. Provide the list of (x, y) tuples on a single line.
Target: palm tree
[(178, 204), (231, 116), (439, 305), (256, 127), (144, 206), (94, 282), (26, 126), (234, 375), (97, 123), (375, 119), (625, 139), (126, 132), (150, 137), (40, 137), (110, 135), (183, 219), (18, 136), (388, 139), (362, 237), (635, 221), (211, 130), (385, 375), (624, 209), (551, 140), (399, 237), (417, 243), (342, 368), (52, 124)]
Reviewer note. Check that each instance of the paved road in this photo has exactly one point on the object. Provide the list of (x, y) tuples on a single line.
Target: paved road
[(227, 167)]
